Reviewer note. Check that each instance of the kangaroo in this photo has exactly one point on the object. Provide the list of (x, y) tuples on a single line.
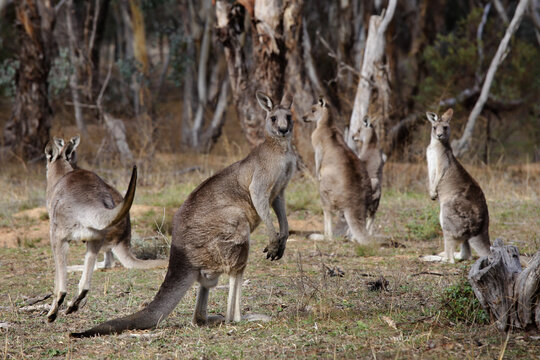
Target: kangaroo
[(108, 261), (82, 207), (464, 213), (344, 183), (211, 229), (374, 159)]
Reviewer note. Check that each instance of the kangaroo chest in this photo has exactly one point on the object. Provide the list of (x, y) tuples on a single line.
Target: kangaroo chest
[(434, 157)]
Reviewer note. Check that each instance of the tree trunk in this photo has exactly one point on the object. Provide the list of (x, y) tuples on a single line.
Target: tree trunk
[(460, 146), (371, 68), (27, 130), (268, 55), (140, 83), (511, 296), (77, 63)]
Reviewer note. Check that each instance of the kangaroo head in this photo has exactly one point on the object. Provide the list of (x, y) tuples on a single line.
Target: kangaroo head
[(440, 127), (58, 152), (367, 133), (317, 111), (278, 117)]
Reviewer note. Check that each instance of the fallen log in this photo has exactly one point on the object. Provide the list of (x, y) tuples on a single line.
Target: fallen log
[(509, 293)]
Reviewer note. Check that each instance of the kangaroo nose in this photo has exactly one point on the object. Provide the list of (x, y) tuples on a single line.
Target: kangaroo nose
[(283, 131)]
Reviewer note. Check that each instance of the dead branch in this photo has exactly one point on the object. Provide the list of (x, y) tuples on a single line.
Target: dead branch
[(509, 293)]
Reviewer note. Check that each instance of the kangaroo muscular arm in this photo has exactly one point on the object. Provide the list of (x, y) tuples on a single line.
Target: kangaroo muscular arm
[(279, 208), (260, 192)]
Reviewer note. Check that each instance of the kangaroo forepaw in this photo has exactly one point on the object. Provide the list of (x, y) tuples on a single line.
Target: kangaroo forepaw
[(275, 250)]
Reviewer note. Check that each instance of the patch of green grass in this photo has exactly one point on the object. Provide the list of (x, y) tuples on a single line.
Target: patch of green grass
[(422, 224), (366, 250), (461, 305), (303, 196), (171, 196)]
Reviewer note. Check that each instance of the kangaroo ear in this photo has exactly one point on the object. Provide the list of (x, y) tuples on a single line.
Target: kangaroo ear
[(447, 116), (59, 142), (432, 117), (286, 100), (69, 153), (51, 151), (264, 101), (322, 101), (367, 123)]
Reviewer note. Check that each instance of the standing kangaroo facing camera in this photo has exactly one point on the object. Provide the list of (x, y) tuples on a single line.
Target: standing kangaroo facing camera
[(464, 213), (82, 207), (344, 183), (371, 153), (211, 229)]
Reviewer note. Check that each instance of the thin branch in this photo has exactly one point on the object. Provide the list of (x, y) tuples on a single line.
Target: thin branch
[(58, 7), (388, 16), (105, 83), (500, 10), (94, 27), (479, 43)]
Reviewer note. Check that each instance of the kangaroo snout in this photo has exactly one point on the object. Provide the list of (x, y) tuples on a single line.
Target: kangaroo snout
[(283, 131)]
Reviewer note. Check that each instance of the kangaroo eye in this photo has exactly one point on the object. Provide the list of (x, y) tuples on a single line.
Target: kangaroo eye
[(434, 127), (445, 128), (273, 118), (288, 118)]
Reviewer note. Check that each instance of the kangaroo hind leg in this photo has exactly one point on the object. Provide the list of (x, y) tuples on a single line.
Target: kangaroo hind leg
[(59, 249), (92, 250), (200, 316)]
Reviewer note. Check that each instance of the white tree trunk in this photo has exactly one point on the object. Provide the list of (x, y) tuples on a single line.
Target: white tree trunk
[(374, 51), (461, 145)]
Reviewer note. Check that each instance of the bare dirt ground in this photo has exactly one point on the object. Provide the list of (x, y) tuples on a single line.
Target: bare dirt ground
[(387, 304)]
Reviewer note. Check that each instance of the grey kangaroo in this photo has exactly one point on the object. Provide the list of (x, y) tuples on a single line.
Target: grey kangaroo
[(211, 230), (82, 207), (344, 183), (374, 159), (464, 213)]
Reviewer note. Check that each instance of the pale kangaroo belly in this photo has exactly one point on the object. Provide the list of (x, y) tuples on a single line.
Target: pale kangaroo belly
[(432, 163)]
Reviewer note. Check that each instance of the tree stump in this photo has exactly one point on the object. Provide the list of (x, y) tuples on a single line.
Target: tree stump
[(508, 293)]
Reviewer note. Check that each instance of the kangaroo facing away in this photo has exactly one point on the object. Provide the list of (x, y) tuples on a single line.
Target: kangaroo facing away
[(372, 155), (211, 230), (463, 214), (82, 207), (344, 183)]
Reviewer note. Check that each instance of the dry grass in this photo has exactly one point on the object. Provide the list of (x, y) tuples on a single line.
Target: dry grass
[(313, 314)]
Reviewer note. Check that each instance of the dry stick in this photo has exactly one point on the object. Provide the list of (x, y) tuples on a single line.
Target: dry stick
[(479, 43), (462, 145), (503, 350)]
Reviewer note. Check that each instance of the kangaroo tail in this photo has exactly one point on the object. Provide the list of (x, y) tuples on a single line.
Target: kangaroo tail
[(177, 282), (129, 261), (121, 210)]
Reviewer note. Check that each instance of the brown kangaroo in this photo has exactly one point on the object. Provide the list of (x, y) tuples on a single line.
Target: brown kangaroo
[(211, 229), (344, 183), (464, 213), (82, 207)]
